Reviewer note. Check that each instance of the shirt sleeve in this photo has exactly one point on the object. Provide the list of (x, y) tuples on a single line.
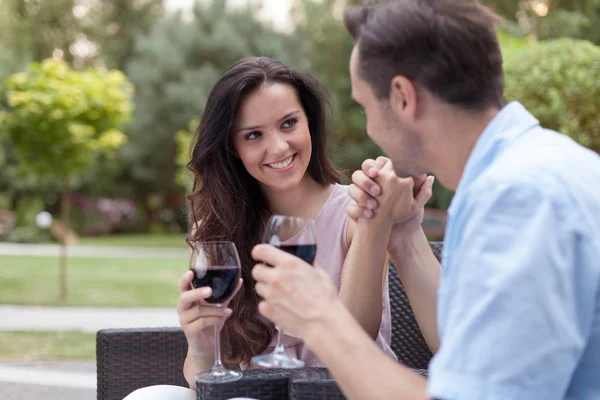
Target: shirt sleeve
[(514, 315)]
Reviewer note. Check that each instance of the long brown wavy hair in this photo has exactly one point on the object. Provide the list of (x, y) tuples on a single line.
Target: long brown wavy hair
[(226, 202)]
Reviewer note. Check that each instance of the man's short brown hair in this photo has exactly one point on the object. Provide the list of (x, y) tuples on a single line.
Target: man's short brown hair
[(449, 47)]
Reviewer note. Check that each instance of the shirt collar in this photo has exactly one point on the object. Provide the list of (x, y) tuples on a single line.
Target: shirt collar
[(511, 122)]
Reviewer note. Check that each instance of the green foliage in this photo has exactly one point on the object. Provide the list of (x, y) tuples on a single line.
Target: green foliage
[(114, 25), (184, 138), (34, 29), (29, 207), (28, 234), (559, 82), (511, 43), (554, 18), (59, 120)]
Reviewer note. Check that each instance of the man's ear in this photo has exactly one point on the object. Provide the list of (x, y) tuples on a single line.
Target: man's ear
[(403, 96)]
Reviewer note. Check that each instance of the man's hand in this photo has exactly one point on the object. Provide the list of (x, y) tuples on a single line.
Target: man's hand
[(296, 295), (368, 187)]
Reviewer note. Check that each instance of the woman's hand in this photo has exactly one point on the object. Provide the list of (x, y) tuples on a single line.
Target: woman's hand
[(197, 318)]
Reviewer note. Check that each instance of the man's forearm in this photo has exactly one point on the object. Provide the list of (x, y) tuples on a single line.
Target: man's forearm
[(359, 367), (362, 275), (419, 272)]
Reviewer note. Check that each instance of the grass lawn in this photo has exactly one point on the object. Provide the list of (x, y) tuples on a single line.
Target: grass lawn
[(140, 240), (109, 282), (47, 346)]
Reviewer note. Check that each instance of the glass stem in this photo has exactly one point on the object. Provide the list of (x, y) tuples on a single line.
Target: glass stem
[(218, 365), (279, 349)]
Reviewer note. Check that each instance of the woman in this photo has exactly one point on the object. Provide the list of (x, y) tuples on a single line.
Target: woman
[(261, 149)]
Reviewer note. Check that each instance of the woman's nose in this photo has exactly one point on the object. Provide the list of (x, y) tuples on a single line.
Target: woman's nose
[(279, 144)]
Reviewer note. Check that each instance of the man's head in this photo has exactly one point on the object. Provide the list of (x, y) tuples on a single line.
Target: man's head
[(412, 57)]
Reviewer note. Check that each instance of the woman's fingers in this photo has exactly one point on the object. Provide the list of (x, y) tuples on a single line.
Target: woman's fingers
[(201, 324), (192, 297), (202, 312), (355, 212), (185, 282), (361, 198)]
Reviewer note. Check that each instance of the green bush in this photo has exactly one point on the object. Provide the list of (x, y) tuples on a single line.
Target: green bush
[(29, 234), (558, 81)]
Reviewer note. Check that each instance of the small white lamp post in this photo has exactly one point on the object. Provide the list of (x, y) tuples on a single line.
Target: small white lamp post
[(43, 220)]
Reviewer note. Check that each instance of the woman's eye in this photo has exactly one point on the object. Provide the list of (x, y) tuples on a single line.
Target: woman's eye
[(252, 135), (290, 123)]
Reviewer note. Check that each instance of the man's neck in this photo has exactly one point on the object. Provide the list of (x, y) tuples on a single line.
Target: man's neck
[(455, 134)]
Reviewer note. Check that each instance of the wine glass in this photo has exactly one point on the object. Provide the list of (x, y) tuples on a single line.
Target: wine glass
[(295, 236), (216, 265)]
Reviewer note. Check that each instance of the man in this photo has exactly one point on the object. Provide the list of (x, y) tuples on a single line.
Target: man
[(517, 311)]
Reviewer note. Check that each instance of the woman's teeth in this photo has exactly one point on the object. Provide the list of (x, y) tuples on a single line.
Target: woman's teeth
[(282, 164)]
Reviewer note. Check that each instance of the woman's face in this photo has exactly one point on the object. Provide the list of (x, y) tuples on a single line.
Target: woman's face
[(271, 136)]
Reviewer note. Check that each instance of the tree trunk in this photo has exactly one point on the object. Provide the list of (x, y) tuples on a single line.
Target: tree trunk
[(65, 211)]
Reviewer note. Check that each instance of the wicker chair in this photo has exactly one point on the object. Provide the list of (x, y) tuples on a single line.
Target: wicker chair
[(128, 359)]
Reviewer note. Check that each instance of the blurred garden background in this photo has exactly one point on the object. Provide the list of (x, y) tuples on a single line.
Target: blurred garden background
[(99, 98)]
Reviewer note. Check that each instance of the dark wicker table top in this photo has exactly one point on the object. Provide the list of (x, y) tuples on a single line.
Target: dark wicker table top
[(277, 384)]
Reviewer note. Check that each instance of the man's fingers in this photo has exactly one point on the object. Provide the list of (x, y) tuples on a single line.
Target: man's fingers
[(380, 162), (425, 192), (261, 289), (419, 181), (265, 309), (273, 256), (261, 273), (371, 167), (366, 167)]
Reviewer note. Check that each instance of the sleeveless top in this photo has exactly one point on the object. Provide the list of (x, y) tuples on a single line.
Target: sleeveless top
[(331, 225)]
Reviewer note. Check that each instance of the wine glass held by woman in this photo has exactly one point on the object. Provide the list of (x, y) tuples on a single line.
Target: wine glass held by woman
[(216, 271)]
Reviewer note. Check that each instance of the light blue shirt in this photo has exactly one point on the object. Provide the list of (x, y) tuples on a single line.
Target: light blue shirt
[(519, 297)]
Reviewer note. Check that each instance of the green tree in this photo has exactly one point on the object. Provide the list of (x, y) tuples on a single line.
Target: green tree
[(59, 121), (113, 27), (34, 29), (549, 19), (174, 69), (559, 82), (86, 30)]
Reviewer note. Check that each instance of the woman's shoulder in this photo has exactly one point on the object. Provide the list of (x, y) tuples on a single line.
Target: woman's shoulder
[(340, 194)]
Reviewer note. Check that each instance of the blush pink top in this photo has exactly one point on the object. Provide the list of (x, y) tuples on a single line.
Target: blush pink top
[(331, 225)]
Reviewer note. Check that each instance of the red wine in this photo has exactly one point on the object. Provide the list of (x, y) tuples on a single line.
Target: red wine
[(307, 252), (222, 280)]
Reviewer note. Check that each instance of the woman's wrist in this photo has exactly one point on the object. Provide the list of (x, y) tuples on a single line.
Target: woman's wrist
[(378, 228)]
